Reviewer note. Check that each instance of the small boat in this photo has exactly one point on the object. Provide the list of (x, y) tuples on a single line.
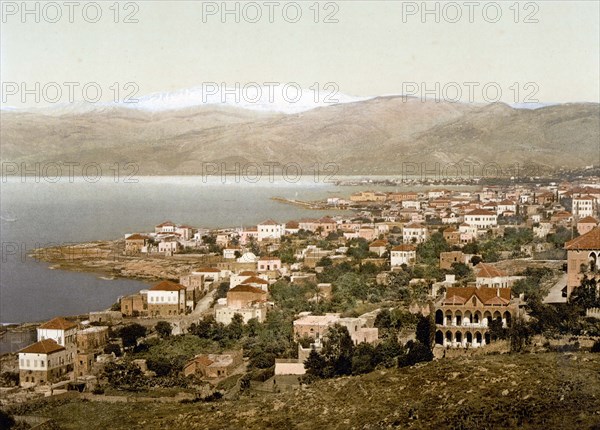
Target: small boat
[(106, 278)]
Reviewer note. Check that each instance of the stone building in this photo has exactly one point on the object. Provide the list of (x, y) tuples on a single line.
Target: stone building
[(316, 326), (447, 259), (135, 243), (583, 258), (134, 305), (212, 366), (90, 343), (43, 362), (463, 315)]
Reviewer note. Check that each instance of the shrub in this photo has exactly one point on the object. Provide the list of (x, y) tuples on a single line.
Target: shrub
[(596, 346)]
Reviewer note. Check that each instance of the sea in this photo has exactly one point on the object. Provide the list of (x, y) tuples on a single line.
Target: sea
[(37, 213)]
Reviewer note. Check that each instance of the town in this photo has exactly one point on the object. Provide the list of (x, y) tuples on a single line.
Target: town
[(400, 278)]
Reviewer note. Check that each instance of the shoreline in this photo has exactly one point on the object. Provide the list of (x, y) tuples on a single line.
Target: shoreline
[(108, 260)]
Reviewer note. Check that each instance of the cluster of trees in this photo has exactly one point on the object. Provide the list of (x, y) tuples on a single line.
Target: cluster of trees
[(568, 318), (225, 335), (339, 356), (130, 334)]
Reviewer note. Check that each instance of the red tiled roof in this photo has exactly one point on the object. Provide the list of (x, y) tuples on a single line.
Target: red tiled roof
[(588, 220), (404, 247), (480, 212), (247, 273), (488, 296), (488, 271), (269, 222), (58, 323), (167, 286), (378, 243), (136, 236), (414, 225), (590, 240), (255, 280), (243, 288), (46, 346), (506, 203), (166, 223)]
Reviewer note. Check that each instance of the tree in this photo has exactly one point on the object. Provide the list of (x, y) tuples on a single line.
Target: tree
[(222, 290), (364, 359), (429, 251), (163, 328), (252, 327), (127, 376), (6, 420), (159, 365), (383, 320), (236, 327), (461, 270), (113, 348), (131, 333), (586, 295), (253, 245), (337, 351), (262, 360), (417, 352), (389, 350), (315, 365), (425, 331), (496, 330), (520, 334)]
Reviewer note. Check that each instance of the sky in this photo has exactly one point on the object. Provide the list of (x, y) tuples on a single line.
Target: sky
[(454, 51)]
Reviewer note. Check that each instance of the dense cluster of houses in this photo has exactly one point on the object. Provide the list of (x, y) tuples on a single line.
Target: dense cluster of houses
[(393, 224)]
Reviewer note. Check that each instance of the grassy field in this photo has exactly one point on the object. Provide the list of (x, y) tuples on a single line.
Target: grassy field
[(532, 391)]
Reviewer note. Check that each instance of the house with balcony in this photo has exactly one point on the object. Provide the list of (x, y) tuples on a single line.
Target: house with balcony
[(464, 314)]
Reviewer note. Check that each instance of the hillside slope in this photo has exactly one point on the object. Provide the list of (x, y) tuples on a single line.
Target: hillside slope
[(531, 391), (368, 137)]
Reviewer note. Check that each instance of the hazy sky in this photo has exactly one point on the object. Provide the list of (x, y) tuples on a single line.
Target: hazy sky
[(375, 48)]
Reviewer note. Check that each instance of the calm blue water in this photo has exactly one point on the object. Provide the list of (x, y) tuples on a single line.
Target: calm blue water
[(58, 213)]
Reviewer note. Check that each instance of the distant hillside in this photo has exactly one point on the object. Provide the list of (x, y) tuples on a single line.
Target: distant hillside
[(374, 136)]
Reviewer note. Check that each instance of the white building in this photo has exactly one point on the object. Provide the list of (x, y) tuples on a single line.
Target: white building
[(165, 227), (210, 274), (168, 246), (269, 263), (60, 330), (224, 314), (583, 206), (481, 219), (489, 276), (42, 362), (403, 254), (414, 233), (506, 206), (270, 229), (229, 252)]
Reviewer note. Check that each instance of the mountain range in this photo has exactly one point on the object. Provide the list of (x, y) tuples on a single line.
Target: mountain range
[(376, 136)]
